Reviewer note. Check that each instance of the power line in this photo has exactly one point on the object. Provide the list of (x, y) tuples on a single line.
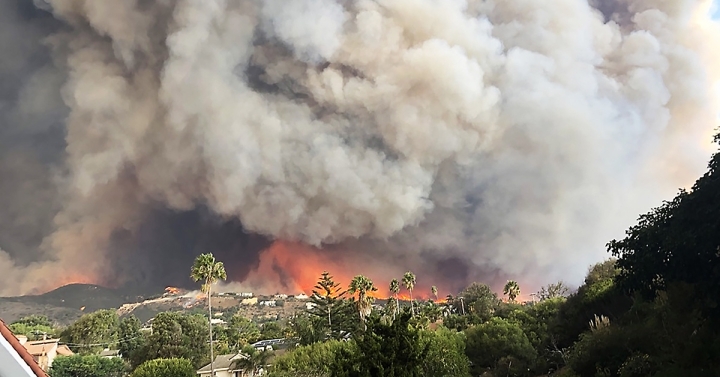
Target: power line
[(101, 344)]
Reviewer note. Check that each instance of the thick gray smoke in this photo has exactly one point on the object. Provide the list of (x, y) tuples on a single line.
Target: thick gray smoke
[(463, 139)]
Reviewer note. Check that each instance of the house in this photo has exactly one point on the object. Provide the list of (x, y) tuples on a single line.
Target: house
[(267, 344), (249, 301), (281, 296), (268, 303), (110, 354), (223, 367), (45, 351), (15, 360), (302, 296)]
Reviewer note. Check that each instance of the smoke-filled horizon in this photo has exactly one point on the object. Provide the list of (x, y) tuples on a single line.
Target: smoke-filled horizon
[(464, 140)]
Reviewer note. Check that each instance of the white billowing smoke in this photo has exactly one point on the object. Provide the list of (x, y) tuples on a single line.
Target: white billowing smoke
[(516, 136)]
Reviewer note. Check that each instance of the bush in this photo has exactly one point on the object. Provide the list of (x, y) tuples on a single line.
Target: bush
[(87, 366), (165, 368)]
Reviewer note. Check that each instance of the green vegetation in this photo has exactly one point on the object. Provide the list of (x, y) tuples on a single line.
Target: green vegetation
[(87, 366), (165, 368), (89, 334), (207, 270), (651, 311), (34, 327)]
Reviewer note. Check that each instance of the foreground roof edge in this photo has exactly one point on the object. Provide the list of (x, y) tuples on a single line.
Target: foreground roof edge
[(10, 344)]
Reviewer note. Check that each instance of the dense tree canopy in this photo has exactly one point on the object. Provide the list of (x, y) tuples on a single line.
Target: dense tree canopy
[(177, 335), (92, 332), (676, 242), (165, 368), (33, 327), (87, 366)]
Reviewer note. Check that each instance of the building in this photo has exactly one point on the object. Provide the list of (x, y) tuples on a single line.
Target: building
[(268, 303), (45, 351), (15, 360), (302, 296), (249, 301), (110, 354), (223, 367)]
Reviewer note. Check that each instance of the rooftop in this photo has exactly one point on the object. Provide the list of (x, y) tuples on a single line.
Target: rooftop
[(16, 353)]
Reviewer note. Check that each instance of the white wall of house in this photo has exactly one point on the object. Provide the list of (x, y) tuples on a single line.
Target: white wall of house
[(11, 364), (219, 373)]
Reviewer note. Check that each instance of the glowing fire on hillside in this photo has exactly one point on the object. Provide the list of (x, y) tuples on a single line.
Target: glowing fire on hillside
[(294, 268), (174, 291)]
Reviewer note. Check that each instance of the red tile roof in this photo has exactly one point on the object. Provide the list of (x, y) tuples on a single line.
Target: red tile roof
[(24, 354)]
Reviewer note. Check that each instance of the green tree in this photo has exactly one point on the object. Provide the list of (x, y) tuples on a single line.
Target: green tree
[(326, 297), (445, 353), (499, 344), (478, 300), (385, 349), (539, 322), (32, 332), (512, 290), (33, 327), (87, 366), (271, 330), (177, 335), (131, 340), (315, 360), (362, 286), (308, 329), (35, 320), (409, 283), (253, 360), (242, 331), (165, 368), (92, 332), (395, 289), (552, 291), (209, 271), (678, 242)]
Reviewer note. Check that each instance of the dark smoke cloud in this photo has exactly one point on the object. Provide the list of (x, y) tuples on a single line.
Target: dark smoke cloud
[(465, 140)]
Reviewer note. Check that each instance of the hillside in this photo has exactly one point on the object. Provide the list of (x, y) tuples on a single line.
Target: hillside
[(66, 304)]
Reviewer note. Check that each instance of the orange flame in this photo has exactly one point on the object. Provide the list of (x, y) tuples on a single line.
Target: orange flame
[(66, 279), (302, 265), (172, 290)]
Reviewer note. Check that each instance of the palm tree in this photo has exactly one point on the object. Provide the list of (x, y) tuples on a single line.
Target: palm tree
[(449, 305), (512, 290), (395, 289), (409, 283), (433, 289), (252, 360), (362, 286), (208, 271)]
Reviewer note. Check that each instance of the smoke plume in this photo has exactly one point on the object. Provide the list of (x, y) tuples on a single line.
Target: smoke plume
[(461, 139)]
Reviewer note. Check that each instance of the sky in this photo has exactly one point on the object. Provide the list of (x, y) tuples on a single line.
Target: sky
[(460, 148)]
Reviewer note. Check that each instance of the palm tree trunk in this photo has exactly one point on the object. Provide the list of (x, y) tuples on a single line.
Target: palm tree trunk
[(412, 308), (397, 304), (212, 361)]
